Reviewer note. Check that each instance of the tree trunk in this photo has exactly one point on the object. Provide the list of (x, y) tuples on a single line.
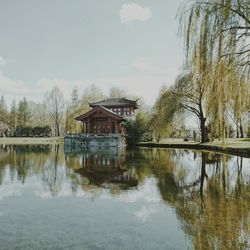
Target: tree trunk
[(203, 173), (57, 128), (203, 129), (241, 131), (237, 130)]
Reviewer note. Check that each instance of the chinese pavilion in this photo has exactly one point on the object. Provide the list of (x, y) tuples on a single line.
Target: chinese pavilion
[(106, 116)]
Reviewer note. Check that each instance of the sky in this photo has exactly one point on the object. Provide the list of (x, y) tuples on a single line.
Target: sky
[(127, 44)]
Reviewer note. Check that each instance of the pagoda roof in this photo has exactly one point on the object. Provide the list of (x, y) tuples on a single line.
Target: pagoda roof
[(115, 102), (104, 110)]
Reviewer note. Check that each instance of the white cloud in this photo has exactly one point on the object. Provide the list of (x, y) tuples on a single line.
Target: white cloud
[(2, 61), (134, 12)]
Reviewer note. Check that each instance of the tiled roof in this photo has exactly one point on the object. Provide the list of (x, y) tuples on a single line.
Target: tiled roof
[(108, 110), (92, 111), (114, 102)]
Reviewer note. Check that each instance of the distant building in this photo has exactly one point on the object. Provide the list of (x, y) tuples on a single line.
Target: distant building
[(106, 116)]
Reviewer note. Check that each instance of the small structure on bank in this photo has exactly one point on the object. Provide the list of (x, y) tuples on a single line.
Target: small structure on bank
[(102, 125)]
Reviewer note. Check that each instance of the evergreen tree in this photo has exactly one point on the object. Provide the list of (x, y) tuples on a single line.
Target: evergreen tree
[(3, 111), (23, 113), (75, 99)]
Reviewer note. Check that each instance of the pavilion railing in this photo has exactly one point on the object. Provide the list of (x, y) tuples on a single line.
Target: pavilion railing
[(96, 135)]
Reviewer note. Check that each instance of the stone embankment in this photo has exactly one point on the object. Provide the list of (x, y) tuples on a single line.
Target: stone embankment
[(240, 147)]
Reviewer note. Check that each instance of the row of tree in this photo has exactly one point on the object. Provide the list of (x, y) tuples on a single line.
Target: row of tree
[(54, 117)]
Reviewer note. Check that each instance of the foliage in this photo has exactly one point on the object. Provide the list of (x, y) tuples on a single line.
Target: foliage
[(163, 116), (189, 90), (220, 28), (137, 129), (187, 94), (23, 113), (3, 110), (3, 128), (73, 109), (248, 131), (115, 92), (216, 40), (91, 94), (39, 114), (13, 116), (33, 131)]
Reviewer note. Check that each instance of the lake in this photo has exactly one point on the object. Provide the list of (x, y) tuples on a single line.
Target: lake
[(56, 198)]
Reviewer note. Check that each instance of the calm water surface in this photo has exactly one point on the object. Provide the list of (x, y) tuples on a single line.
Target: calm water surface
[(51, 198)]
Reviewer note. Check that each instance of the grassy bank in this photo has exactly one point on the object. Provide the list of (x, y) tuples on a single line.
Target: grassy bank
[(30, 140), (239, 147)]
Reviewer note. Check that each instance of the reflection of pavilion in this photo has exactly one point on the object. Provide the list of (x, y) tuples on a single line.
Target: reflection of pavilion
[(105, 168), (109, 178)]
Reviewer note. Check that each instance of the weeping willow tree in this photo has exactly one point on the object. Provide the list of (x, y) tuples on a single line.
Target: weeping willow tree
[(240, 102), (166, 110), (217, 48), (189, 90), (187, 94), (222, 27), (162, 119)]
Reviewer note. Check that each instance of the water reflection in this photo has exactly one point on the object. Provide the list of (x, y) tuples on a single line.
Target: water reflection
[(209, 193), (214, 204), (101, 168)]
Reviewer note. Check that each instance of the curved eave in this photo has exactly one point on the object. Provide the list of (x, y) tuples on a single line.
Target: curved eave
[(109, 113)]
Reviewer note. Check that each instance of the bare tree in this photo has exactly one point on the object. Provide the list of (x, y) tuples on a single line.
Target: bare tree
[(55, 106), (91, 94), (115, 92), (39, 114)]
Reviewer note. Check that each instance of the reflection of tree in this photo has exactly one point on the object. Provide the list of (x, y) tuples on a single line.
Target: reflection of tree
[(52, 173), (28, 160), (22, 161), (211, 208), (3, 160), (209, 192)]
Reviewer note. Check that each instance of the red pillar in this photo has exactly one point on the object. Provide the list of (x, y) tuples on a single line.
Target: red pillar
[(110, 125), (88, 126)]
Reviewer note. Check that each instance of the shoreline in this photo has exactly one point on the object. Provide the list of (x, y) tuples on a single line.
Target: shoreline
[(236, 147), (30, 140)]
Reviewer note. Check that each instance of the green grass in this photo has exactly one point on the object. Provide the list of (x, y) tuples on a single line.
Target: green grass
[(246, 139)]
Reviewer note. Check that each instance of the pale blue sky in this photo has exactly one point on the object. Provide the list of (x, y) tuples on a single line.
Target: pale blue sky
[(127, 44)]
